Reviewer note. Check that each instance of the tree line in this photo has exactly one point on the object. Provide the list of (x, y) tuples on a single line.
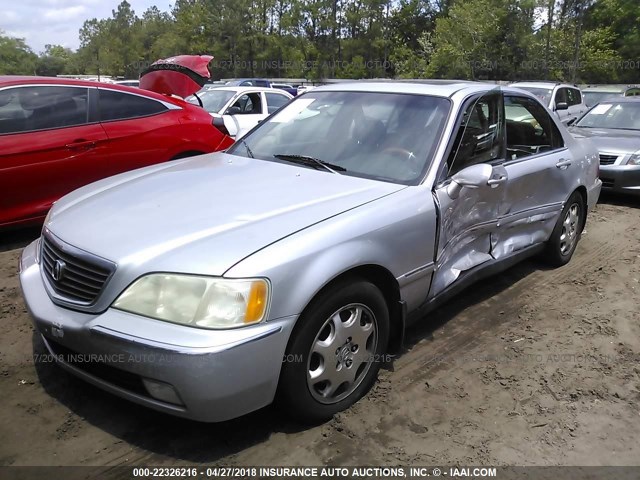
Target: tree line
[(588, 41)]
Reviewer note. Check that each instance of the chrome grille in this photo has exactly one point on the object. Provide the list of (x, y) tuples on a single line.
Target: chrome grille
[(607, 159), (75, 276)]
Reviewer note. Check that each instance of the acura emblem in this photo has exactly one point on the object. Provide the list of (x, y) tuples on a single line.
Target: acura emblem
[(57, 272)]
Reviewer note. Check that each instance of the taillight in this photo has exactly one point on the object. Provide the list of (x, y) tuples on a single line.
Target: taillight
[(218, 122)]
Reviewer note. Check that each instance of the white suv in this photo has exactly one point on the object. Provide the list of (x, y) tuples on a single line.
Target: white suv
[(564, 100)]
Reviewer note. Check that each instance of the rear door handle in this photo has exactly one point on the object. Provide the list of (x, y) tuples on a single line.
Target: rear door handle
[(563, 163), (81, 145), (494, 182)]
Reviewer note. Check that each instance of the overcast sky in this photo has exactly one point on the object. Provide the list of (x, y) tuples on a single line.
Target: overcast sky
[(58, 21)]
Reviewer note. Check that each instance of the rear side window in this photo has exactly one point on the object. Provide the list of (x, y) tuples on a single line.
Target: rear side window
[(275, 101), (115, 105), (29, 109)]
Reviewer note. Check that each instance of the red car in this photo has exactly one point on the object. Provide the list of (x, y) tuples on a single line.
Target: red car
[(59, 134)]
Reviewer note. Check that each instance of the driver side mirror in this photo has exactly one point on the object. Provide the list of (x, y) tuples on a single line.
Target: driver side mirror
[(562, 106), (233, 110), (474, 176)]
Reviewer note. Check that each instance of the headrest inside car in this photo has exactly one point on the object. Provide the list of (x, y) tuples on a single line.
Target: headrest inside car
[(32, 99)]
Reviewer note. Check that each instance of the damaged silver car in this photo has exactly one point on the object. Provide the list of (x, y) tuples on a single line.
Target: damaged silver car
[(288, 267)]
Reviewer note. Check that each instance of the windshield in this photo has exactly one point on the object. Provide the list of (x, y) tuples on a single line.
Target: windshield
[(213, 99), (384, 136), (624, 115), (543, 94), (592, 98)]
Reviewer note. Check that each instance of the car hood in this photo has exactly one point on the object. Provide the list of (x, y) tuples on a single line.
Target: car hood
[(610, 139), (203, 215), (182, 75)]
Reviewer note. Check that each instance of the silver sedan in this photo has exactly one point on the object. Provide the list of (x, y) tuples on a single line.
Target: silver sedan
[(289, 266), (614, 127)]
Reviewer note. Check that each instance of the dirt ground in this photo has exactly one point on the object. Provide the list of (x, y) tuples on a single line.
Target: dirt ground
[(532, 367)]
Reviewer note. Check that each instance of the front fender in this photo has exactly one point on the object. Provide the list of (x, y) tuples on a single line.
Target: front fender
[(396, 233)]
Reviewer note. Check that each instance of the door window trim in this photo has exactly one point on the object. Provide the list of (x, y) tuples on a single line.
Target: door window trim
[(443, 168)]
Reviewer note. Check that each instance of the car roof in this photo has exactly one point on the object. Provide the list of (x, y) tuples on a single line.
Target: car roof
[(239, 89), (439, 88), (238, 80), (13, 80), (549, 85)]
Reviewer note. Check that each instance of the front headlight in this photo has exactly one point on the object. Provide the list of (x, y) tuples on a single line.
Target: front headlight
[(634, 159), (196, 301)]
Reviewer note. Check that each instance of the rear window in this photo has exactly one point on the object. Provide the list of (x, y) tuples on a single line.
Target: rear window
[(115, 105)]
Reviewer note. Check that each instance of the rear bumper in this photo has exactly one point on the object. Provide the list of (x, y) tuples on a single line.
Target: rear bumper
[(215, 375), (621, 178)]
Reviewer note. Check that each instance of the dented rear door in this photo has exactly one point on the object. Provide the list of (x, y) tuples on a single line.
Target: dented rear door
[(540, 170)]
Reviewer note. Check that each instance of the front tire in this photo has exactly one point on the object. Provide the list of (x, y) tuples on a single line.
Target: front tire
[(337, 348), (567, 231)]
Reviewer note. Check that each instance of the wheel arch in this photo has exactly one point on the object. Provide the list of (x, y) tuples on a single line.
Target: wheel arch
[(582, 190), (384, 280)]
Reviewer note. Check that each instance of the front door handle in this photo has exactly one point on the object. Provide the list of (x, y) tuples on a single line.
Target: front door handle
[(494, 182), (81, 145), (563, 163)]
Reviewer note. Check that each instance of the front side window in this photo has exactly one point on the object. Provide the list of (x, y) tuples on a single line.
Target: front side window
[(28, 109), (114, 105), (530, 130), (623, 115), (385, 136), (561, 96), (247, 104), (479, 138)]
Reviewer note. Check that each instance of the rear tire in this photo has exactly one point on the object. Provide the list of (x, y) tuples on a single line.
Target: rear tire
[(337, 349), (566, 234)]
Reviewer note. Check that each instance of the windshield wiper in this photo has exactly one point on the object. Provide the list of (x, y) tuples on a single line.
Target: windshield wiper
[(311, 162), (246, 146)]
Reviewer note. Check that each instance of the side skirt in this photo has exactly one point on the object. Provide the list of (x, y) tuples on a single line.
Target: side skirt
[(483, 270)]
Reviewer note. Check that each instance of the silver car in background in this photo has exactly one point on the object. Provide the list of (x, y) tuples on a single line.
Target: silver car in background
[(289, 266), (566, 101), (594, 94), (614, 127)]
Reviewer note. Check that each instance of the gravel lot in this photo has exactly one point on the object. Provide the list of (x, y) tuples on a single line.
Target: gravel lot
[(532, 367)]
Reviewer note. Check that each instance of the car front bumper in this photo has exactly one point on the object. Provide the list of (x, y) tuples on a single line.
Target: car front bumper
[(621, 178), (204, 375)]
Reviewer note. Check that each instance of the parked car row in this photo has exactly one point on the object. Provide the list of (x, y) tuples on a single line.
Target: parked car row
[(345, 215)]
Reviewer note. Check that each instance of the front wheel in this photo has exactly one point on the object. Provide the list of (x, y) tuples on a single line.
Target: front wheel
[(337, 347), (567, 231)]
